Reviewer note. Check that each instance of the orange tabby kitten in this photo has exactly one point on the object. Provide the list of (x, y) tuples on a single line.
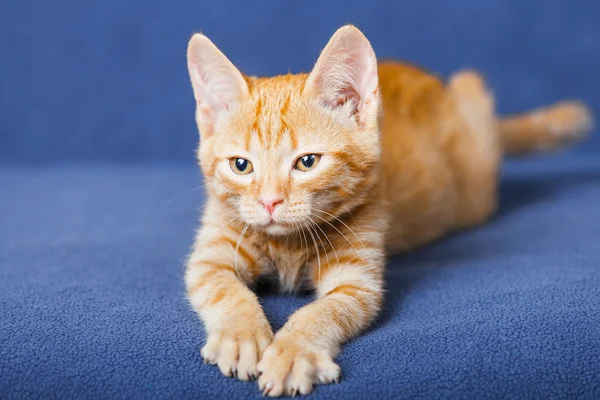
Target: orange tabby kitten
[(313, 178)]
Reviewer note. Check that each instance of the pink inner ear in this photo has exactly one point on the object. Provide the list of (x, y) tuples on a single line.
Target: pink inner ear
[(216, 81), (205, 110), (344, 96), (346, 72)]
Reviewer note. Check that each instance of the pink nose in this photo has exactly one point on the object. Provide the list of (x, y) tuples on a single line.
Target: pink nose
[(270, 202)]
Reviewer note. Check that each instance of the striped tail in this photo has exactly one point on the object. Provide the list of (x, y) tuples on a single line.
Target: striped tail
[(545, 129)]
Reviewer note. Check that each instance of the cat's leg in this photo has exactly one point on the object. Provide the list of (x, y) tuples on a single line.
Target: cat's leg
[(349, 296), (216, 278)]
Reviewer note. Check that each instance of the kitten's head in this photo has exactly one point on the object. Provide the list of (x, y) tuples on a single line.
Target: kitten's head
[(286, 150)]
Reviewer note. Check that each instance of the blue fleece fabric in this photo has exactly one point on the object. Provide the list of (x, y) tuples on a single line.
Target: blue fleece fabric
[(96, 213), (92, 301)]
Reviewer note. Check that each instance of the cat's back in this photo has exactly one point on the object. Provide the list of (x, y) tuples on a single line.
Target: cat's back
[(408, 91), (417, 179), (414, 103)]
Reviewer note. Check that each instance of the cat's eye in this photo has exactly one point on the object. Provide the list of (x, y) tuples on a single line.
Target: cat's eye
[(241, 166), (307, 162)]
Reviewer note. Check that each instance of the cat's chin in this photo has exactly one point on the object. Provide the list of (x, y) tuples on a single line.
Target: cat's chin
[(275, 229)]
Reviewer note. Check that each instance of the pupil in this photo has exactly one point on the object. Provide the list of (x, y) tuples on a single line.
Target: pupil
[(241, 164), (308, 161)]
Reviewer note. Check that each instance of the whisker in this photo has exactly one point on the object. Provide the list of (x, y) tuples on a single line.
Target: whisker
[(297, 228), (316, 250), (348, 240), (187, 257), (322, 245), (202, 208), (185, 193), (302, 248), (306, 241), (228, 212), (237, 247), (326, 237), (189, 253), (347, 227), (226, 223)]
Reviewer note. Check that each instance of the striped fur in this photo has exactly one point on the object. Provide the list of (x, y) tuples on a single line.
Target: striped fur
[(405, 158)]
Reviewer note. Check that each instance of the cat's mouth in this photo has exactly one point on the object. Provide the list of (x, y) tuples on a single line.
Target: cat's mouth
[(277, 228)]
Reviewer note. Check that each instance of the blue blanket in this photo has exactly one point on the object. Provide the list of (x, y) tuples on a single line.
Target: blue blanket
[(92, 301)]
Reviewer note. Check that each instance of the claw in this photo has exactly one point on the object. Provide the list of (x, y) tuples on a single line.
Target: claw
[(294, 392), (268, 387), (337, 379), (208, 360)]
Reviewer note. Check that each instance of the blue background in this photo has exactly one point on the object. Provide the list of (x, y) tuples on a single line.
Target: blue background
[(107, 80), (99, 197)]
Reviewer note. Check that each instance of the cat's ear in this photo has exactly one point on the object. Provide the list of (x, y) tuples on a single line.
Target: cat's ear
[(346, 71), (217, 83)]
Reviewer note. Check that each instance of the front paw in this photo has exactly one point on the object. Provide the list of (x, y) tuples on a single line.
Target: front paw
[(289, 369), (237, 351)]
